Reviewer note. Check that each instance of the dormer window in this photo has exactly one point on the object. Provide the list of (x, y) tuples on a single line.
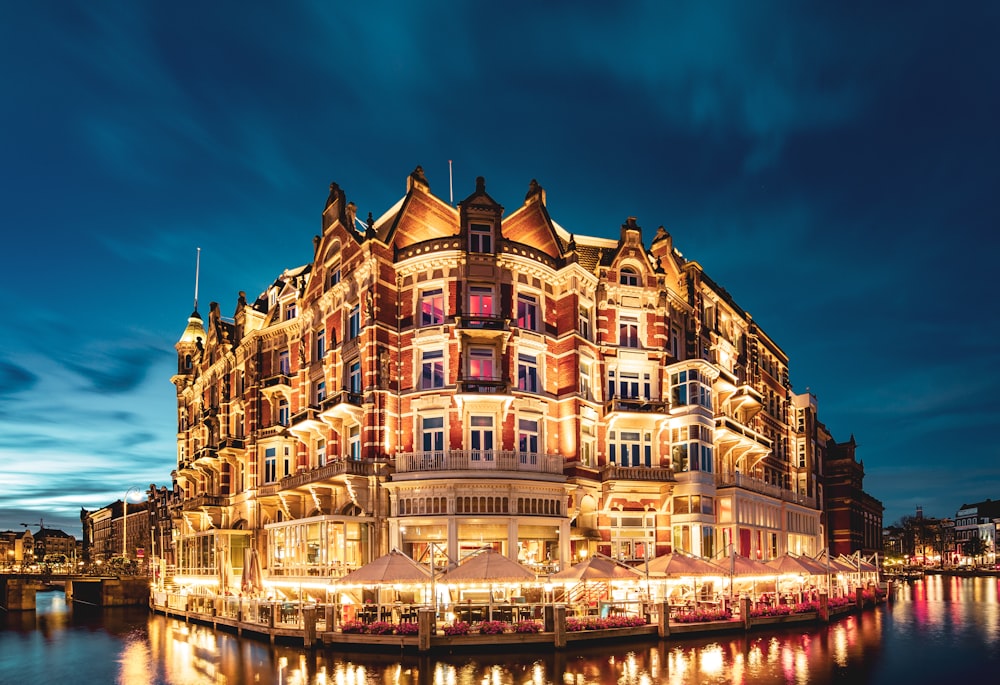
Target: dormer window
[(480, 238), (290, 311), (629, 276)]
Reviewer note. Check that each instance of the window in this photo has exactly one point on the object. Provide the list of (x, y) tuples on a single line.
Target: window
[(432, 307), (320, 343), (588, 445), (354, 378), (481, 438), (628, 330), (802, 454), (691, 449), (527, 441), (584, 322), (675, 342), (432, 431), (480, 238), (321, 452), (270, 465), (480, 301), (629, 276), (686, 388), (290, 311), (335, 276), (527, 312), (481, 363), (527, 372), (283, 412), (284, 363), (432, 369), (320, 392), (354, 443), (354, 322), (630, 448), (585, 375)]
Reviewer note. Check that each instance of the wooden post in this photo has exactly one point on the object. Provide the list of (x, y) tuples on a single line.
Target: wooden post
[(559, 619), (824, 607), (745, 612), (663, 624), (425, 628), (309, 624)]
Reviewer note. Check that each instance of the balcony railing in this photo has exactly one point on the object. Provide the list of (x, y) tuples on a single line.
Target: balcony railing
[(484, 322), (478, 460), (333, 469), (484, 385), (199, 501), (308, 414), (636, 405), (276, 379), (734, 426), (647, 473)]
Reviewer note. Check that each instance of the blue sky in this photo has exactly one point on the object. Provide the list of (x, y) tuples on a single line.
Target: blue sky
[(832, 165)]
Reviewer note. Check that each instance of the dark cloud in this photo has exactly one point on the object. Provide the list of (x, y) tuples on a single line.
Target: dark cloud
[(113, 370), (15, 379)]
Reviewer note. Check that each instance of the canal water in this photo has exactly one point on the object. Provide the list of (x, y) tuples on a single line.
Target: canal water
[(941, 629)]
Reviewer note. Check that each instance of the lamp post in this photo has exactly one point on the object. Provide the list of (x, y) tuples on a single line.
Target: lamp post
[(125, 522)]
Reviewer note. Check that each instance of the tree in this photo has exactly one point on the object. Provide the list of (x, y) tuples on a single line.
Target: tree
[(974, 547)]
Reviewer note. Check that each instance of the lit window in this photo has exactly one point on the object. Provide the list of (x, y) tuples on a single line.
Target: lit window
[(432, 369), (691, 449), (584, 322), (481, 363), (270, 465), (432, 307), (628, 331), (588, 445), (354, 443), (321, 452), (480, 238), (527, 372), (686, 388), (585, 371), (630, 448), (527, 312), (284, 363), (480, 301)]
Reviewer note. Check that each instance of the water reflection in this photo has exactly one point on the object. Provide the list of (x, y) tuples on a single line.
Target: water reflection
[(940, 628)]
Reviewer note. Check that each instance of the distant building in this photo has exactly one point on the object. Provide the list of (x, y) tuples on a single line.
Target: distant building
[(52, 541), (103, 530), (452, 377), (17, 547), (854, 518), (977, 521)]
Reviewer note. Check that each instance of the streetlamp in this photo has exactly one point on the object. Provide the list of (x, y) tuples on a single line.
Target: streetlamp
[(125, 522)]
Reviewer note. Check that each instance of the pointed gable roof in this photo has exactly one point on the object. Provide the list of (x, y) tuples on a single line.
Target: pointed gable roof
[(419, 216), (530, 224)]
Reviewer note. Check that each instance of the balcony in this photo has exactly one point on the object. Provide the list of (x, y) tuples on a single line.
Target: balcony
[(745, 482), (730, 430), (479, 461), (205, 455), (641, 473), (342, 406), (277, 380), (306, 422), (486, 322), (203, 501), (342, 467), (637, 405), (488, 385), (231, 447)]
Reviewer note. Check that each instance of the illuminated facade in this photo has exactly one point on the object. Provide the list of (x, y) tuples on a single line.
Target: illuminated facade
[(450, 377)]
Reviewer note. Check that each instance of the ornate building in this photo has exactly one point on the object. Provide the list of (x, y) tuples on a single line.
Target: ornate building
[(854, 518), (451, 377)]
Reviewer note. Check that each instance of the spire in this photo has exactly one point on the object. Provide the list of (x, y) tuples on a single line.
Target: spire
[(195, 330)]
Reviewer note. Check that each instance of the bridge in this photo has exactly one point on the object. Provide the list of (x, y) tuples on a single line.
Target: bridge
[(17, 590)]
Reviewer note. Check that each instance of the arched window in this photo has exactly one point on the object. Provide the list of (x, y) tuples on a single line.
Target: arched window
[(629, 276)]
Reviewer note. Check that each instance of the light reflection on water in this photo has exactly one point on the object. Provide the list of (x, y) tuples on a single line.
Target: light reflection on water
[(939, 629)]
